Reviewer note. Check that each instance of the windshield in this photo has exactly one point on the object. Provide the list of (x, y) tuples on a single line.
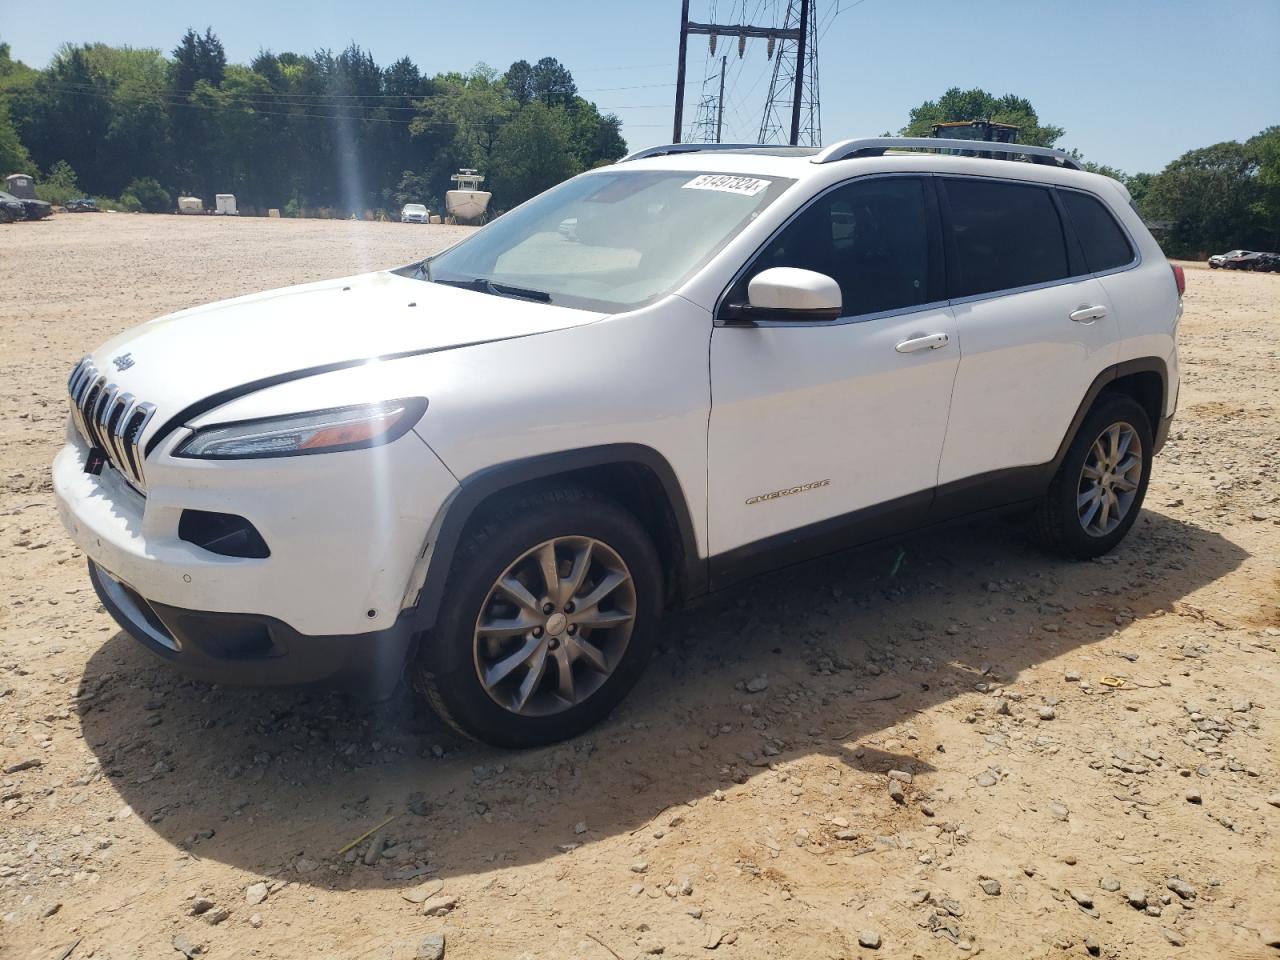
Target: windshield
[(608, 241)]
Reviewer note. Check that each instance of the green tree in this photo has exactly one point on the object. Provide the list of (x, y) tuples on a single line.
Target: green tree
[(532, 153), (147, 195), (1209, 196), (1265, 149), (13, 155), (976, 104), (59, 185)]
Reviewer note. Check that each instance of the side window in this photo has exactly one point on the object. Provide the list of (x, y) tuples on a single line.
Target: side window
[(1005, 235), (1105, 245), (870, 236)]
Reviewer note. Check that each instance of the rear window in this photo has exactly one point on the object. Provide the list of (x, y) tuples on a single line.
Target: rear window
[(1006, 235), (1105, 245)]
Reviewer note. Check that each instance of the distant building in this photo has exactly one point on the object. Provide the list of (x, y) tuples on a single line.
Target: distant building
[(21, 185)]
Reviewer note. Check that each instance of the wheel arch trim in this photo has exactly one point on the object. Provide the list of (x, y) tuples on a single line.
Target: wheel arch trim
[(1100, 383), (480, 486)]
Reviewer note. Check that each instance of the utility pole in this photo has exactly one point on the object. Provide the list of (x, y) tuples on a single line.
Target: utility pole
[(799, 86), (684, 42), (740, 30), (720, 102)]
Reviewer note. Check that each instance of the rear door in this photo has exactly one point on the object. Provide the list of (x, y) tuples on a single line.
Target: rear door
[(1035, 327), (815, 425)]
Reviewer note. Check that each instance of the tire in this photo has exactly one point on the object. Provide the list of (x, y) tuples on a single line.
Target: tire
[(603, 662), (1062, 522)]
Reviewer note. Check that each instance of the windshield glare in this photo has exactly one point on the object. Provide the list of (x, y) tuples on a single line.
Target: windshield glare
[(610, 241)]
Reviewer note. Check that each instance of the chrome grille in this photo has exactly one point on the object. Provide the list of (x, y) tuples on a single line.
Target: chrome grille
[(109, 419)]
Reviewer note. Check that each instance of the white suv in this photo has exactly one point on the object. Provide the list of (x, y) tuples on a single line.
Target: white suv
[(498, 466)]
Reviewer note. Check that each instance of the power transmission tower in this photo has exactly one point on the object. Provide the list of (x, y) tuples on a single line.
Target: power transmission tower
[(710, 118), (743, 32), (802, 99)]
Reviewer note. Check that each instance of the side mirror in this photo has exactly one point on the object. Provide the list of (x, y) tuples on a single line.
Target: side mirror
[(788, 293)]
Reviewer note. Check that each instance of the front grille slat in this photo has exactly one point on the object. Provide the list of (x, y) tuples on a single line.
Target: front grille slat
[(109, 419)]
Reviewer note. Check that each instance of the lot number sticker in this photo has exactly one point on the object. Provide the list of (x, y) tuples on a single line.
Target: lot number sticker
[(744, 186)]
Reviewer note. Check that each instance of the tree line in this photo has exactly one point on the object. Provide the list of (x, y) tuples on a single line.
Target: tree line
[(1211, 199), (324, 131), (338, 133)]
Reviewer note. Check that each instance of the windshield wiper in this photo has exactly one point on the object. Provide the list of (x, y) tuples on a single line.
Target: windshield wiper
[(485, 285)]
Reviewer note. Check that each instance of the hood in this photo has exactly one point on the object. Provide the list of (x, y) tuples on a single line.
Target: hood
[(212, 352)]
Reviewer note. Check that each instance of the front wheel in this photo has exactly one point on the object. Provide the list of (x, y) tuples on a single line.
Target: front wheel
[(1096, 494), (550, 615)]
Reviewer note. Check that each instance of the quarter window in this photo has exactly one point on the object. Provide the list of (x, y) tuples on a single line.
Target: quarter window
[(870, 236), (1005, 235), (1105, 245)]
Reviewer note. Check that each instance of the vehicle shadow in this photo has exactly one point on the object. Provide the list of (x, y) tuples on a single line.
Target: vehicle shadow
[(853, 648)]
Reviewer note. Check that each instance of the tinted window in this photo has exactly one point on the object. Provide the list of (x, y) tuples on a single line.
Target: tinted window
[(1105, 245), (1006, 235), (871, 237)]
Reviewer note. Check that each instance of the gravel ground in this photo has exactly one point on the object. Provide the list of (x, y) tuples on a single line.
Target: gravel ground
[(915, 751)]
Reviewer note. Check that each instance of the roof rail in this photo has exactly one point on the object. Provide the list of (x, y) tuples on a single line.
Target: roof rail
[(670, 148), (876, 146)]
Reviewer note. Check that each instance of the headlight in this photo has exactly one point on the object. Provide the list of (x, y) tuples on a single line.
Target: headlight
[(321, 431)]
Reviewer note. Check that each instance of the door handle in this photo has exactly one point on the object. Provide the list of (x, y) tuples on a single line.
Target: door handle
[(930, 341), (1088, 314)]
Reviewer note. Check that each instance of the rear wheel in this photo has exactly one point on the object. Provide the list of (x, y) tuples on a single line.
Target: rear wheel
[(1098, 490), (549, 617)]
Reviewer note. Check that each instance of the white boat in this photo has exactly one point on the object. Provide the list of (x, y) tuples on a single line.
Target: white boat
[(468, 203)]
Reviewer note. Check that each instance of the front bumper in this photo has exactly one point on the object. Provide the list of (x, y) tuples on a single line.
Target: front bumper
[(345, 532), (248, 650)]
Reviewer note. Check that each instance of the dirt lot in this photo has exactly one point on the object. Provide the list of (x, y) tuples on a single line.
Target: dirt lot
[(1043, 812)]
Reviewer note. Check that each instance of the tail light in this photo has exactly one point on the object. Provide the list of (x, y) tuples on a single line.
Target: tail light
[(1179, 277)]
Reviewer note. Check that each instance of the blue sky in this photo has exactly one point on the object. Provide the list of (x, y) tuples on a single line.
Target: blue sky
[(1134, 82)]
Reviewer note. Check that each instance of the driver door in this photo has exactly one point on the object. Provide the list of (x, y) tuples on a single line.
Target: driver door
[(828, 433)]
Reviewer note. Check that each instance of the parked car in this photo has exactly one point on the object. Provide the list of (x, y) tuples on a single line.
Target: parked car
[(83, 205), (11, 208), (31, 209), (414, 213), (526, 449), (1244, 261), (1267, 263), (1218, 259)]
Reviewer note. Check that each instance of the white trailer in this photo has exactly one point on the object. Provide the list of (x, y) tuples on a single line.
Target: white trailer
[(225, 204)]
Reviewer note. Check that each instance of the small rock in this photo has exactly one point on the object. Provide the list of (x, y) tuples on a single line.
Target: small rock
[(431, 947), (1047, 713), (986, 779), (303, 865), (439, 905), (869, 939), (183, 945), (423, 892), (255, 894), (217, 916), (255, 921), (24, 765), (1110, 884), (1183, 889), (1193, 796), (1072, 676), (990, 886), (1274, 799), (1081, 897), (713, 938), (1173, 936), (640, 866), (1137, 898), (900, 775), (896, 792), (580, 828), (757, 684), (1092, 947), (1059, 811), (200, 905)]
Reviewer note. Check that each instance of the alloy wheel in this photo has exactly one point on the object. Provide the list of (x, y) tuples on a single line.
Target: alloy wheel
[(1109, 479), (554, 626)]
